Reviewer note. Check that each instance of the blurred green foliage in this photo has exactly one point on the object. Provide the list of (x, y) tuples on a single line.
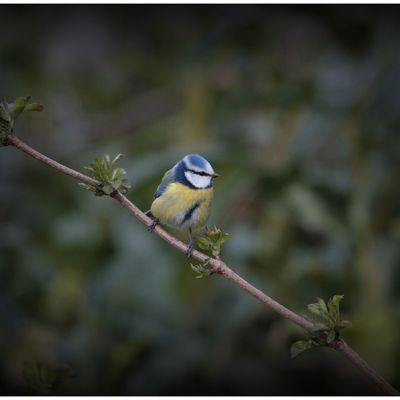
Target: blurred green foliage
[(296, 107)]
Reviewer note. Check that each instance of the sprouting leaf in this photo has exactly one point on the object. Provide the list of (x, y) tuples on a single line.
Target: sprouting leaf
[(116, 159), (326, 324), (336, 299), (110, 179), (212, 240), (327, 317), (93, 189), (344, 324), (300, 346), (124, 186), (108, 189), (314, 309), (319, 326), (334, 307), (331, 336), (4, 112), (10, 112), (18, 106), (34, 107), (201, 268), (117, 173), (323, 313), (322, 305), (5, 121), (204, 243)]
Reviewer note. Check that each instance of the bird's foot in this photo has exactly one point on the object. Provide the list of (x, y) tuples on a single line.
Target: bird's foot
[(155, 222), (189, 250)]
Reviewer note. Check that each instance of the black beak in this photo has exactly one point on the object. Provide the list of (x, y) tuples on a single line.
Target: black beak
[(214, 175)]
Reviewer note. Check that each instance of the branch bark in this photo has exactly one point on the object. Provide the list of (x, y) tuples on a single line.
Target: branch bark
[(217, 265)]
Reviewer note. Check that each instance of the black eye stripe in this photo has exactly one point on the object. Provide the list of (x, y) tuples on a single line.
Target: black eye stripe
[(201, 173)]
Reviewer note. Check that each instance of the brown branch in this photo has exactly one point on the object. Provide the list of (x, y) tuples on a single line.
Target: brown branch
[(19, 144), (217, 265), (341, 346)]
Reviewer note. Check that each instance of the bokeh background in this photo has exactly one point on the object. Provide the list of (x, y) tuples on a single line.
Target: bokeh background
[(297, 108)]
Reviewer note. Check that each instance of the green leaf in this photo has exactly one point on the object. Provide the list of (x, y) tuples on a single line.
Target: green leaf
[(4, 112), (194, 267), (5, 129), (197, 269), (319, 326), (108, 189), (125, 186), (323, 313), (117, 173), (336, 299), (10, 112), (83, 185), (300, 346), (222, 239), (204, 243), (322, 305), (331, 336), (334, 307), (34, 107), (314, 309), (326, 319), (212, 240), (116, 159), (93, 189), (344, 324), (18, 106), (5, 121), (201, 269), (111, 179)]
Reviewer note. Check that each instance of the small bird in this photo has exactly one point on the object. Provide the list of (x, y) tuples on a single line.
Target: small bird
[(184, 196)]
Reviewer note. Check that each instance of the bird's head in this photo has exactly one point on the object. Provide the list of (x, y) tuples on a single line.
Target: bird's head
[(197, 171)]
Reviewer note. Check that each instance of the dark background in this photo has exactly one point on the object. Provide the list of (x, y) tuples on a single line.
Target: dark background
[(297, 108)]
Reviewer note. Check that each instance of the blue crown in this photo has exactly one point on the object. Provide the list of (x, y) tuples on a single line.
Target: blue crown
[(197, 160)]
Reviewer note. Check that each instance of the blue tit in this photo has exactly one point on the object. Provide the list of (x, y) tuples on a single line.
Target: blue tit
[(183, 198)]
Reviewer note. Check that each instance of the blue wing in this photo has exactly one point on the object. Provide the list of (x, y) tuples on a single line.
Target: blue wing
[(167, 179)]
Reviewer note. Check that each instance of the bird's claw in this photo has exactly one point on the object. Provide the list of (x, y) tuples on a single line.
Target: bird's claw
[(153, 224), (189, 250)]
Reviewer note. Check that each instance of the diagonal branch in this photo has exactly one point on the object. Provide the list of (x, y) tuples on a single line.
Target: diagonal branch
[(218, 266)]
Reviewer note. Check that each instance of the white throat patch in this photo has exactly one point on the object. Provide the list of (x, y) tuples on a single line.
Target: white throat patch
[(198, 181)]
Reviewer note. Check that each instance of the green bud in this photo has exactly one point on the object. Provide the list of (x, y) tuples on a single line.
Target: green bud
[(34, 107), (18, 106), (300, 346), (111, 179), (331, 336)]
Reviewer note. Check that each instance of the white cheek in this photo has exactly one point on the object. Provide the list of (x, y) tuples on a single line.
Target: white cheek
[(198, 181)]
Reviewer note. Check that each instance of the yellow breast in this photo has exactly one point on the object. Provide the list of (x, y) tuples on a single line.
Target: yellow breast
[(183, 207)]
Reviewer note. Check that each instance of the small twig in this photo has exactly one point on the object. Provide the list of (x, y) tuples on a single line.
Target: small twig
[(19, 144), (218, 266), (226, 272), (341, 346)]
